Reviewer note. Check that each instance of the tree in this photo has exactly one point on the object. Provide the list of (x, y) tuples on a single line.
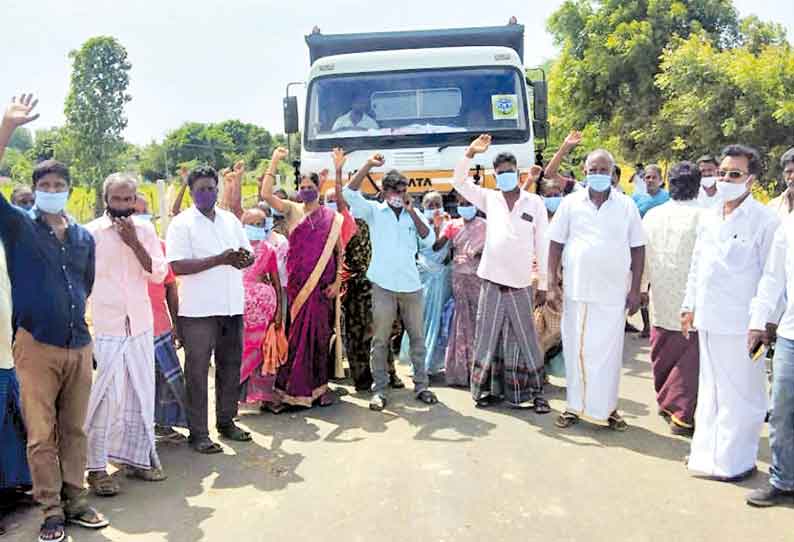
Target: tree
[(16, 165), (200, 143), (21, 139), (605, 76), (713, 97), (95, 109)]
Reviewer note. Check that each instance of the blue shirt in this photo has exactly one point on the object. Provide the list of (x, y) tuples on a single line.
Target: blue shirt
[(395, 242), (50, 279), (646, 202)]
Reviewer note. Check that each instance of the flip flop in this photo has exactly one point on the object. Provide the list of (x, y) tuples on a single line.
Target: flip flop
[(427, 397), (102, 484), (206, 447), (541, 406), (617, 423), (88, 519), (52, 530), (566, 420)]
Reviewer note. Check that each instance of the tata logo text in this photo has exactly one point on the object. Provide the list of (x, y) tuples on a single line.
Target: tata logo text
[(420, 183)]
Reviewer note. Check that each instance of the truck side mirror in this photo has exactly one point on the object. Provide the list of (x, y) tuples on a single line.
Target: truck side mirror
[(291, 125), (540, 109)]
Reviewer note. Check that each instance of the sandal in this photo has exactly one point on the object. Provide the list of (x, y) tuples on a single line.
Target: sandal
[(102, 484), (273, 408), (232, 432), (377, 403), (541, 406), (427, 397), (617, 423), (566, 420), (89, 519), (52, 530), (147, 475), (327, 399), (206, 446)]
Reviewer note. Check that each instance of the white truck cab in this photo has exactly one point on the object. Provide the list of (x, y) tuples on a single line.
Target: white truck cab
[(419, 98)]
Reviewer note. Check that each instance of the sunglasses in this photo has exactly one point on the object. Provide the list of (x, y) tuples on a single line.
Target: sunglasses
[(734, 174)]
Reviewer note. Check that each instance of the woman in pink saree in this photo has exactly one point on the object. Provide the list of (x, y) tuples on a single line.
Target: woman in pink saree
[(313, 266), (262, 306)]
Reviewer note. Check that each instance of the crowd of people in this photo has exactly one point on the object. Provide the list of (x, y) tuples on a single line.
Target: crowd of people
[(495, 292)]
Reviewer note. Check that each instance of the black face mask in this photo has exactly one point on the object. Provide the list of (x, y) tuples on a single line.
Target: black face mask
[(120, 213)]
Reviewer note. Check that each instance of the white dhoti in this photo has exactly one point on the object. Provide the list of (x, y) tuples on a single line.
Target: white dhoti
[(592, 340), (732, 405), (120, 421)]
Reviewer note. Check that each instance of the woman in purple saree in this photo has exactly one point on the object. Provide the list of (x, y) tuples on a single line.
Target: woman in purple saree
[(312, 267)]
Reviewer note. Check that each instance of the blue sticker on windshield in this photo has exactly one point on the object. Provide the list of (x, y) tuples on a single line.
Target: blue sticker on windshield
[(504, 106)]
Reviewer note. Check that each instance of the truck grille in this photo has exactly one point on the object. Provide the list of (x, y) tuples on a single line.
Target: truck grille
[(412, 160)]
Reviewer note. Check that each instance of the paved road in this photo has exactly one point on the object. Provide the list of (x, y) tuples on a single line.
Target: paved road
[(451, 472)]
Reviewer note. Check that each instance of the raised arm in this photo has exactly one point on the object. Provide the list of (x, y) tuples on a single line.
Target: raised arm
[(376, 160), (233, 189), (18, 112), (571, 141), (269, 177), (339, 163), (176, 208), (460, 178)]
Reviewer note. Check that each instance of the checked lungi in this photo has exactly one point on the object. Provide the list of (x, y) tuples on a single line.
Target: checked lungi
[(169, 396)]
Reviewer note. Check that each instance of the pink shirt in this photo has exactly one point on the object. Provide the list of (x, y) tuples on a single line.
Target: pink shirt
[(513, 238), (120, 304)]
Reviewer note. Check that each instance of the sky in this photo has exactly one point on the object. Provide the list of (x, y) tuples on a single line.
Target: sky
[(211, 60)]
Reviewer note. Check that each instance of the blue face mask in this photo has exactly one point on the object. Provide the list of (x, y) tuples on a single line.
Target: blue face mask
[(599, 183), (51, 202), (255, 233), (332, 205), (507, 181), (26, 207), (145, 217), (467, 212), (269, 224), (552, 203), (430, 213)]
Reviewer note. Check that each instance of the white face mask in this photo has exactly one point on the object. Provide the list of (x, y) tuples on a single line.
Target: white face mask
[(708, 182), (731, 191)]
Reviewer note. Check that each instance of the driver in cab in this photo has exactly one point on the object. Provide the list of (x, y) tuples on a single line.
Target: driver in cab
[(356, 118)]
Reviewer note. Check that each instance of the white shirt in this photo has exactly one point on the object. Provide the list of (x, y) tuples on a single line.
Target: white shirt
[(778, 279), (672, 231), (781, 204), (217, 291), (640, 186), (346, 121), (513, 239), (6, 357), (708, 202), (596, 261), (727, 263)]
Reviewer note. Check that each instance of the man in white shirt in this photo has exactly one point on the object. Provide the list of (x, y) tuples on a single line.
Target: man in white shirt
[(598, 235), (708, 166), (508, 362), (356, 118), (784, 203), (207, 248), (777, 280), (730, 252), (672, 229)]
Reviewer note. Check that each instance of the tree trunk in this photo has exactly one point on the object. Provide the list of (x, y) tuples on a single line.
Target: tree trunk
[(99, 202)]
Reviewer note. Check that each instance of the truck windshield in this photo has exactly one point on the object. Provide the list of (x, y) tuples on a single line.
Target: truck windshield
[(416, 108)]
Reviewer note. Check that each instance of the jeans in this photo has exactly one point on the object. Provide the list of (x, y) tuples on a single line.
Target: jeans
[(222, 335), (385, 304), (781, 423)]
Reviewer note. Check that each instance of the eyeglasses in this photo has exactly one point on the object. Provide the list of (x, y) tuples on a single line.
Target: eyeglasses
[(734, 174)]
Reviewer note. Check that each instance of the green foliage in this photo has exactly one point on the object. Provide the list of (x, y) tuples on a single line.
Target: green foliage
[(16, 165), (662, 80), (21, 139), (95, 109)]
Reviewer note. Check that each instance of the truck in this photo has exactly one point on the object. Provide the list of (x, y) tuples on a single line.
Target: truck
[(419, 98)]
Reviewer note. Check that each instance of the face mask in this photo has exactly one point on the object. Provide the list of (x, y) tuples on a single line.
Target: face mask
[(255, 233), (25, 207), (332, 205), (51, 202), (467, 212), (308, 195), (120, 213), (507, 181), (731, 191), (552, 203), (430, 213), (205, 199), (145, 217), (395, 201), (708, 182), (599, 183)]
